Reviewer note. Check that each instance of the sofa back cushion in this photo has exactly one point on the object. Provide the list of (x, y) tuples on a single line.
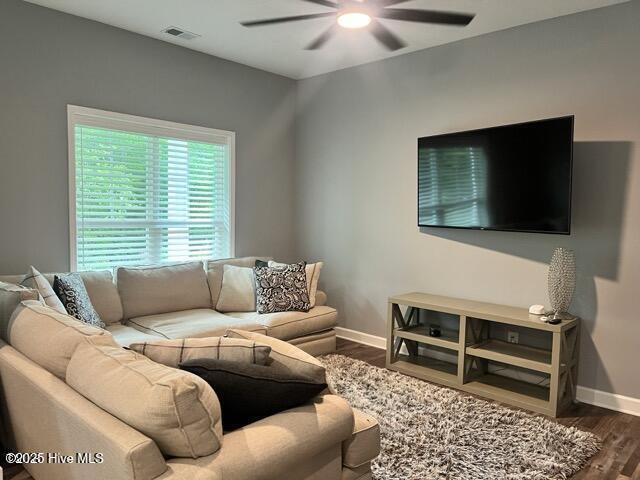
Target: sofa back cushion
[(163, 289), (49, 338), (101, 289), (176, 409), (215, 272), (10, 297)]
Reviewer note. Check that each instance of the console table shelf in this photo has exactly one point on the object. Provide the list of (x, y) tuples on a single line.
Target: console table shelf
[(513, 354), (463, 357), (421, 334)]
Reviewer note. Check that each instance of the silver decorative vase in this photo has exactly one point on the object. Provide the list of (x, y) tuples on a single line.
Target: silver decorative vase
[(561, 282)]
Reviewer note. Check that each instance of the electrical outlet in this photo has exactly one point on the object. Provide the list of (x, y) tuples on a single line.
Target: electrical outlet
[(513, 337)]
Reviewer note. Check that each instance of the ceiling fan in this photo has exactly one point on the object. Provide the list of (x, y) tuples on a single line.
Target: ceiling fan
[(355, 14)]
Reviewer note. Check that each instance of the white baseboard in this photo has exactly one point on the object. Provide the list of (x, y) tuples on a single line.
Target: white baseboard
[(364, 338), (612, 401)]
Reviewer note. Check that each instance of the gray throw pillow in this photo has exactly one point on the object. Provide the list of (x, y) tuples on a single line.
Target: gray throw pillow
[(72, 293), (281, 288)]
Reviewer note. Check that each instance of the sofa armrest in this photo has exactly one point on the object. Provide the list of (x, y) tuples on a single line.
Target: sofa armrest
[(364, 444), (276, 446), (321, 298), (41, 413)]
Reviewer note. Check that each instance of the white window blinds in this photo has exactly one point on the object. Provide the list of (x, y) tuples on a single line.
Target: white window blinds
[(147, 191)]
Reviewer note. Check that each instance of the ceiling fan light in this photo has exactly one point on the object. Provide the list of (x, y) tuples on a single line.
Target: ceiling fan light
[(354, 20)]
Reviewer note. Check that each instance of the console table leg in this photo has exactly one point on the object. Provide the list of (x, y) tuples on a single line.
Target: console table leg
[(390, 340), (462, 342), (554, 380)]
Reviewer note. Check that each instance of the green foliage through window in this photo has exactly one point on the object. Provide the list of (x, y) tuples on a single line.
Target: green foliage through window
[(144, 199)]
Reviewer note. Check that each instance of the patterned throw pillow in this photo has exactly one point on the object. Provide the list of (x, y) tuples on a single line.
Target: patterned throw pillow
[(281, 288), (73, 295), (312, 270)]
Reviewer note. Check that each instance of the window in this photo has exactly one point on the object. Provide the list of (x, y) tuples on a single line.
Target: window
[(146, 191)]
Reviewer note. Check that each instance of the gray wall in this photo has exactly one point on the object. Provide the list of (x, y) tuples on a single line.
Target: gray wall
[(353, 181), (49, 59), (356, 178)]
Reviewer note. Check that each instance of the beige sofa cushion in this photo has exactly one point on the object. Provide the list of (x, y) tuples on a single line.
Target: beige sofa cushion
[(286, 355), (197, 323), (288, 325), (321, 298), (316, 344), (313, 271), (125, 335), (363, 472), (176, 409), (10, 297), (49, 338), (41, 413), (34, 279), (284, 446), (104, 295), (364, 444), (171, 288), (173, 352), (238, 292), (215, 272), (19, 291)]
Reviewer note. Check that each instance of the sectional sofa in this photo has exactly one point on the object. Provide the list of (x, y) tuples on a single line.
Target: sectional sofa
[(178, 301), (324, 439)]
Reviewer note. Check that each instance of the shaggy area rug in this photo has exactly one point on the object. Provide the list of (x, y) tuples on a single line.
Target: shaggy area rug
[(431, 432)]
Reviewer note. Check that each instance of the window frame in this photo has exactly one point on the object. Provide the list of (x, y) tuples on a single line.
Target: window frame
[(144, 125)]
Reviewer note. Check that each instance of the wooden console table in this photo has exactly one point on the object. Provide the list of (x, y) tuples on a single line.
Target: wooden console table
[(475, 347)]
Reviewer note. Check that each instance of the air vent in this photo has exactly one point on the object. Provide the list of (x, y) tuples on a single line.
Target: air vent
[(180, 33)]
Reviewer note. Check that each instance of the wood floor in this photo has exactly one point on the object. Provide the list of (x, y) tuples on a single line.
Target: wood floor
[(619, 458)]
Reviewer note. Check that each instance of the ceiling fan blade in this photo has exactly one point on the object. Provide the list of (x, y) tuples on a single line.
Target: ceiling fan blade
[(426, 16), (271, 21), (326, 3), (385, 37), (388, 3), (322, 39)]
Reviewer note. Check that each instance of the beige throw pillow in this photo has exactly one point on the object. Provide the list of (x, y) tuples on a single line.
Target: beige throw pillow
[(238, 293), (104, 295), (312, 271), (34, 279), (173, 352), (176, 409), (286, 355)]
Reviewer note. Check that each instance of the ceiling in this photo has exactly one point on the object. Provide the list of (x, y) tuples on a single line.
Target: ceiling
[(280, 48)]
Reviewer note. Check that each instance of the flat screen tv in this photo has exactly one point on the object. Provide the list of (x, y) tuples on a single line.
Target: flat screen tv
[(512, 178)]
